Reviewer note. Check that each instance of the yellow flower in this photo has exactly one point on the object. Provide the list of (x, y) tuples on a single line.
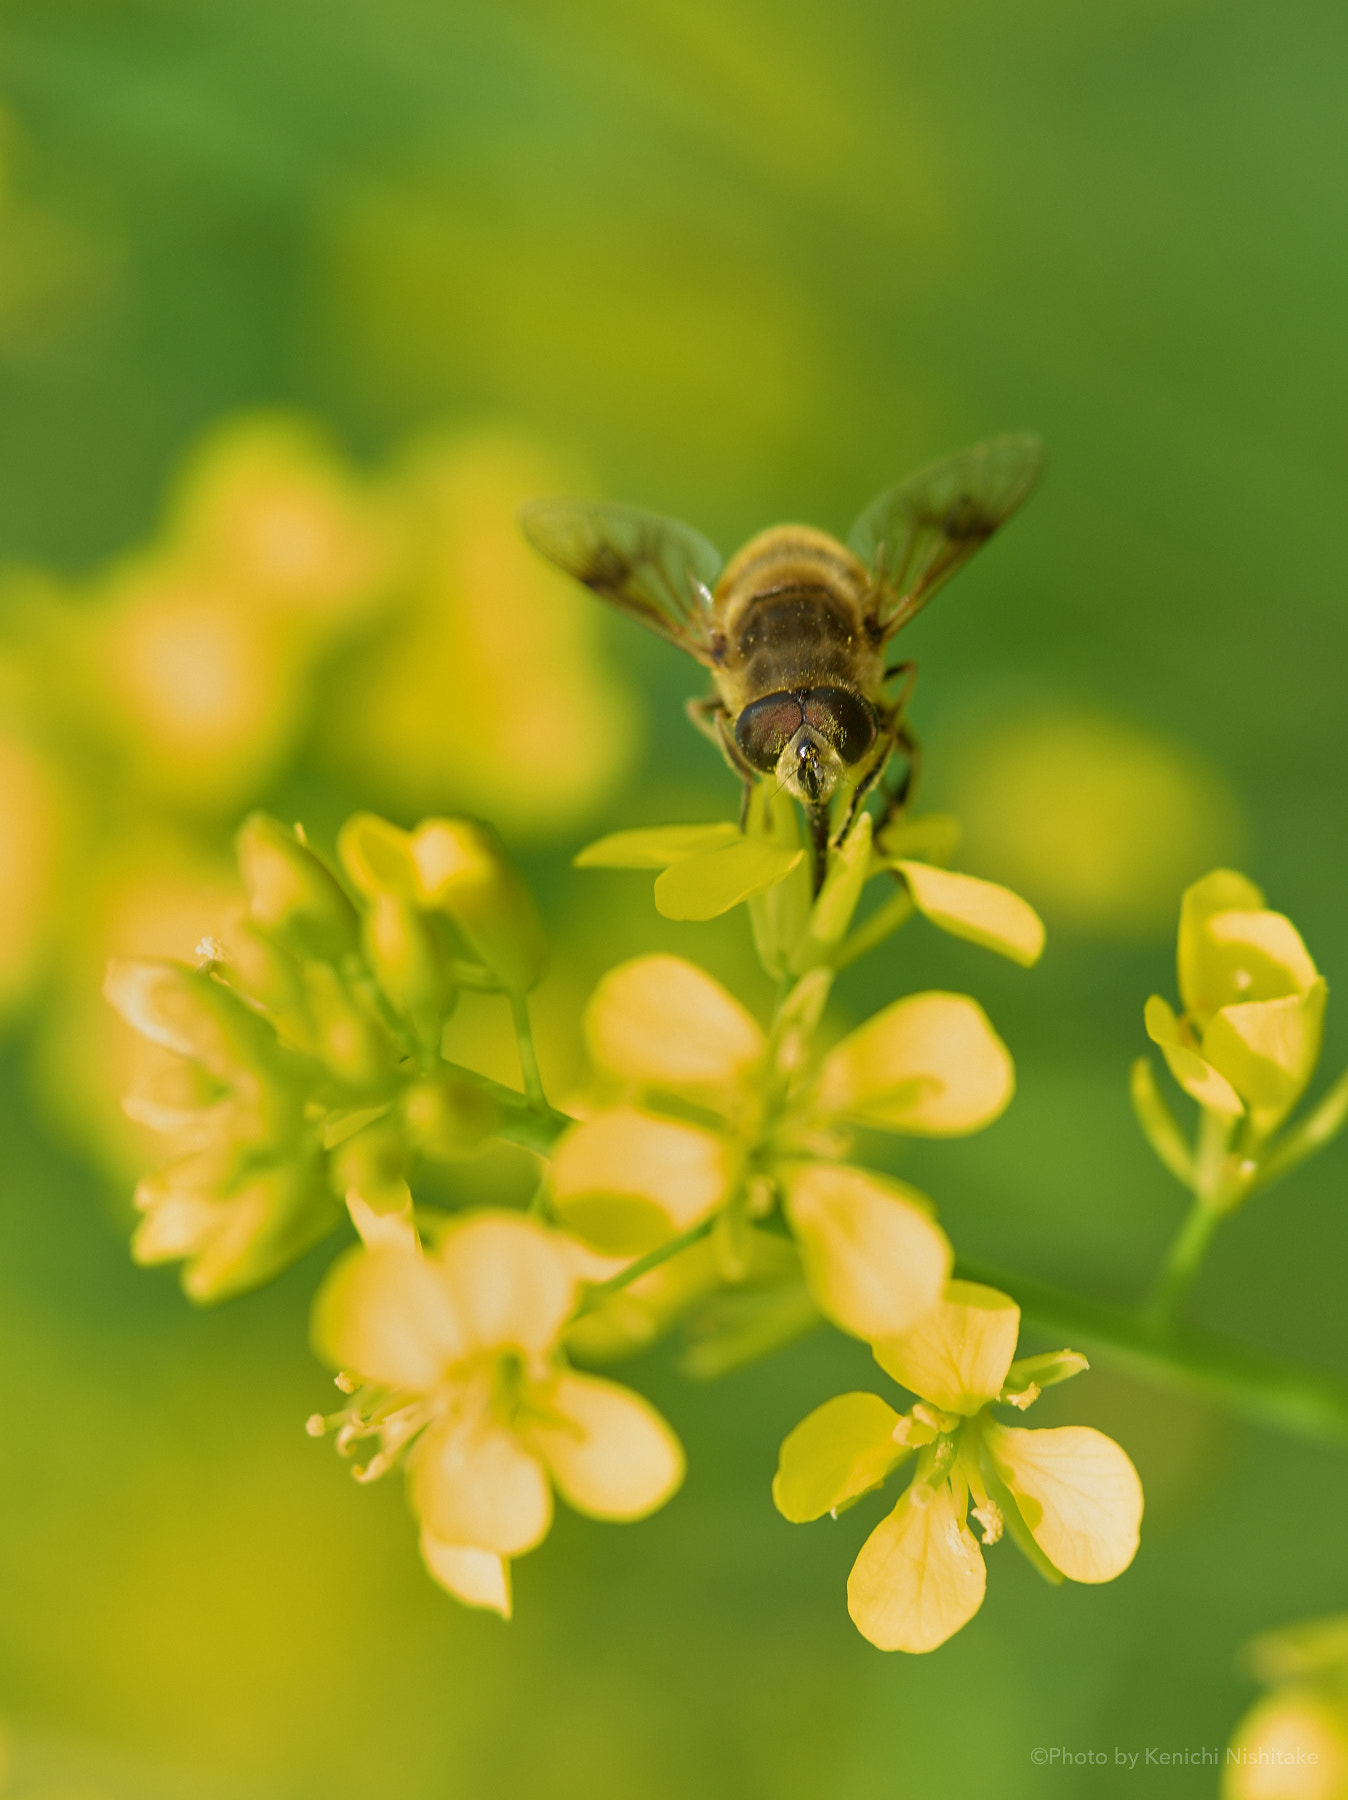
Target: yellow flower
[(1293, 1742), (1249, 1038), (455, 1355), (1069, 1496), (708, 869), (717, 1121)]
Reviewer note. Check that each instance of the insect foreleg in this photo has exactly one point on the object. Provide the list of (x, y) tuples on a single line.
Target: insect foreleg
[(896, 800), (713, 721)]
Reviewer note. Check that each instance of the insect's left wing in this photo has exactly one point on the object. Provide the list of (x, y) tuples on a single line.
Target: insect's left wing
[(656, 569), (915, 536)]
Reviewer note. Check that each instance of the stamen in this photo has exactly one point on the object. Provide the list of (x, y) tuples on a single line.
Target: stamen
[(346, 1382), (1026, 1397), (989, 1516), (315, 1424)]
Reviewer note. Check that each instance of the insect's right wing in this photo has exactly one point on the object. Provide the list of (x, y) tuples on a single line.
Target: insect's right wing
[(658, 570), (915, 536)]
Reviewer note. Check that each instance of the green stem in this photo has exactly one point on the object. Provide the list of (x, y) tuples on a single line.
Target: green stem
[(1301, 1402), (653, 1258), (521, 1121), (883, 922), (1182, 1261), (524, 1038)]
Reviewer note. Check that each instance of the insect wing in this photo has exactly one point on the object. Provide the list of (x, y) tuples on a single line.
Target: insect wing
[(656, 569), (915, 536)]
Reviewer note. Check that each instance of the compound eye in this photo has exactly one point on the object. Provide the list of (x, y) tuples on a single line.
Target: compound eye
[(764, 728), (844, 718)]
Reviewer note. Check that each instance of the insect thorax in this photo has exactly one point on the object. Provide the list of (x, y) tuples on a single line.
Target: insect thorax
[(792, 607)]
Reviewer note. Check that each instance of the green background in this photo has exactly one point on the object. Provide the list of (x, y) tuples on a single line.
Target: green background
[(742, 261)]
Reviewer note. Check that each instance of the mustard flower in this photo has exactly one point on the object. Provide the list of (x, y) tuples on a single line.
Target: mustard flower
[(705, 870), (718, 1120), (453, 1360), (1069, 1496), (1245, 1048), (1249, 1038)]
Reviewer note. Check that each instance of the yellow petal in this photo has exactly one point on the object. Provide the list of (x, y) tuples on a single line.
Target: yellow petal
[(958, 1355), (708, 884), (385, 1315), (930, 1065), (609, 1451), (477, 1577), (655, 847), (510, 1281), (1231, 949), (978, 910), (1197, 1077), (1078, 1493), (919, 1577), (189, 1013), (626, 1180), (873, 1259), (661, 1022), (1268, 1049), (376, 856), (842, 1450), (475, 1483)]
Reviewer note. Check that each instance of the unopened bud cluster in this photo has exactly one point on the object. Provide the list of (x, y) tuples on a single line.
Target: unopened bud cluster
[(304, 1072)]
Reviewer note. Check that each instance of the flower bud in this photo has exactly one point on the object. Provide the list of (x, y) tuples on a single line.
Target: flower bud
[(291, 894), (462, 871), (448, 1116), (406, 961), (354, 1048), (235, 1228), (263, 971), (377, 856), (373, 1164), (187, 1011)]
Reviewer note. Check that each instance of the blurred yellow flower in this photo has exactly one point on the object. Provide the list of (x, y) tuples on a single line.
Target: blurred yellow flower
[(1293, 1742), (682, 1052), (456, 1353), (1069, 1496), (488, 689), (1098, 820)]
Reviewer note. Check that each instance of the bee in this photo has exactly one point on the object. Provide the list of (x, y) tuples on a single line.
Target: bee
[(795, 627)]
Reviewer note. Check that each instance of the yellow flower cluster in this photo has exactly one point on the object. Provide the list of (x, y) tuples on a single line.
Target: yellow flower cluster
[(292, 614), (305, 1068), (307, 1074), (1245, 1049), (712, 1121)]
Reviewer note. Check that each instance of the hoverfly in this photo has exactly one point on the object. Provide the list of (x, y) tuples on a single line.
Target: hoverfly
[(794, 628)]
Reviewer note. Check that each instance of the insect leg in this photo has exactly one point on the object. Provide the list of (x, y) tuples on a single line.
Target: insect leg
[(908, 672), (884, 749), (713, 721), (898, 797)]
